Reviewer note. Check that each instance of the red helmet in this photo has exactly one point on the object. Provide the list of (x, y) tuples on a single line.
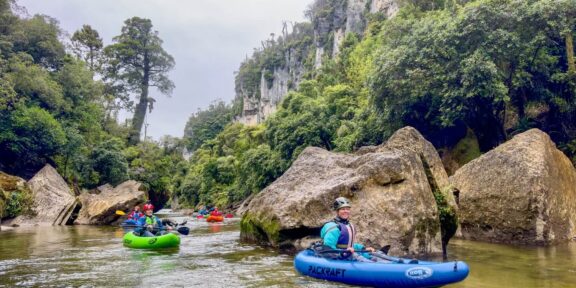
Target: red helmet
[(148, 207)]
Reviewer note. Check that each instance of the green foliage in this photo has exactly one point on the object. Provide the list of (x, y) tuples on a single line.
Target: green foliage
[(156, 166), (29, 137), (38, 37), (137, 61), (257, 168), (87, 45), (438, 69), (18, 203), (53, 111), (34, 83), (109, 163), (205, 125)]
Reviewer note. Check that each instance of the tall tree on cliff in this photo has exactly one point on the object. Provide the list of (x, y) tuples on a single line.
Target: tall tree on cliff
[(138, 61), (87, 45)]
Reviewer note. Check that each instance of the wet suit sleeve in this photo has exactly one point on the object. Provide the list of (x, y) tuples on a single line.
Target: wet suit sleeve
[(141, 224), (159, 223), (359, 247), (330, 234)]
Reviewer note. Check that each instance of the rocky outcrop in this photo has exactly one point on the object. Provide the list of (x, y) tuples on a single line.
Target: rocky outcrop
[(409, 139), (331, 21), (389, 188), (54, 201), (100, 209), (388, 7), (521, 192)]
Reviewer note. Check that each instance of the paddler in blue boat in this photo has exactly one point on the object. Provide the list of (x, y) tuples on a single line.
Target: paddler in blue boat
[(340, 234), (135, 214), (150, 225)]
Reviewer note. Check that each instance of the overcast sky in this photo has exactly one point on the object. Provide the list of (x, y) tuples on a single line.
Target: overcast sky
[(208, 39)]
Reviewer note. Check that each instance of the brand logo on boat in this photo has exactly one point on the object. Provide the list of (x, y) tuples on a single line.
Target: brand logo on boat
[(153, 240), (326, 271), (127, 241), (419, 273)]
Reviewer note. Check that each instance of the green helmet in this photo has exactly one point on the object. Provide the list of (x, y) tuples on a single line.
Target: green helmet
[(340, 202)]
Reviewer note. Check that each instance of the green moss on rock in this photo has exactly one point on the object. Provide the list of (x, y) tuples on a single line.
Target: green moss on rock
[(260, 229), (15, 197)]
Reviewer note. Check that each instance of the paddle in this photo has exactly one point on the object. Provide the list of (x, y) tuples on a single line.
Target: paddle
[(120, 212), (382, 254), (182, 230)]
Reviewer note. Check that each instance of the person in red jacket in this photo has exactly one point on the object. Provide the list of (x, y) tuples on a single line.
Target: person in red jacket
[(135, 214), (215, 212)]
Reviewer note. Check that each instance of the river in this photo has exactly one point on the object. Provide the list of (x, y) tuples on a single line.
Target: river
[(212, 256)]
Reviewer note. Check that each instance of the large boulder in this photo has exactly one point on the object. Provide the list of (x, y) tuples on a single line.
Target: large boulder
[(409, 139), (392, 199), (54, 201), (521, 192), (100, 209)]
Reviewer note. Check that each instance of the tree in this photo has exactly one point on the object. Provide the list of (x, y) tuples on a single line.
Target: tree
[(87, 45), (29, 138), (205, 125), (138, 61), (38, 37), (109, 162)]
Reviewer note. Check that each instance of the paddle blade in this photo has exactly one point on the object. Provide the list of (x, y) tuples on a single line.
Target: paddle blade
[(385, 249), (120, 212), (229, 215), (183, 230)]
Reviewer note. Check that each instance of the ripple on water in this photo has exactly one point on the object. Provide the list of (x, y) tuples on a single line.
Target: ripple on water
[(212, 256)]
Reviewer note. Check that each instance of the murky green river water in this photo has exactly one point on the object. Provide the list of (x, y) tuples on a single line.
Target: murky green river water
[(211, 256)]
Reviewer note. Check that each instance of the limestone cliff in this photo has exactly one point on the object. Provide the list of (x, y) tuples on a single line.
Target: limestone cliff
[(282, 63)]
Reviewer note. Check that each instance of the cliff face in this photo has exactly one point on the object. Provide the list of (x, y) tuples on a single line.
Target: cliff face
[(281, 64)]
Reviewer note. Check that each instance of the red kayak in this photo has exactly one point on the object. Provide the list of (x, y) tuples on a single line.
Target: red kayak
[(215, 218)]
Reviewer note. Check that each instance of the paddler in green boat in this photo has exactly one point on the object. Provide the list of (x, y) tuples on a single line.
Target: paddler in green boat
[(150, 225)]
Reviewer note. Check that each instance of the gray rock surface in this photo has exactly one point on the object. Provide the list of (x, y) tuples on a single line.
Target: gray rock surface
[(521, 192), (100, 209), (54, 201), (391, 196)]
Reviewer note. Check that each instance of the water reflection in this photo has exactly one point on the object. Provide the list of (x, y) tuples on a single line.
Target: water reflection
[(211, 256), (493, 265)]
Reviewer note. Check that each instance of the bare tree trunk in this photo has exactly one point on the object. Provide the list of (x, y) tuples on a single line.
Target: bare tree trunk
[(140, 112), (570, 53)]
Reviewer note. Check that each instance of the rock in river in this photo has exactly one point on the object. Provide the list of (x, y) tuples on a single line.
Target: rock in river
[(521, 192)]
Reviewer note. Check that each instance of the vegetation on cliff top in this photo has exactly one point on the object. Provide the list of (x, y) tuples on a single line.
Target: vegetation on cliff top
[(488, 69)]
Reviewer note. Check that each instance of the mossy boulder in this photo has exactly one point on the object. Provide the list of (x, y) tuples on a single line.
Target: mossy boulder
[(53, 200), (392, 198), (15, 196), (521, 192)]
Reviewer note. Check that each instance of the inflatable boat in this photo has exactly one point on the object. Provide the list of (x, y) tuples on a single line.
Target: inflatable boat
[(398, 272), (167, 240)]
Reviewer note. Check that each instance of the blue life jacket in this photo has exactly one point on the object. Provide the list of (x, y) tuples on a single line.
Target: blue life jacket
[(347, 235)]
